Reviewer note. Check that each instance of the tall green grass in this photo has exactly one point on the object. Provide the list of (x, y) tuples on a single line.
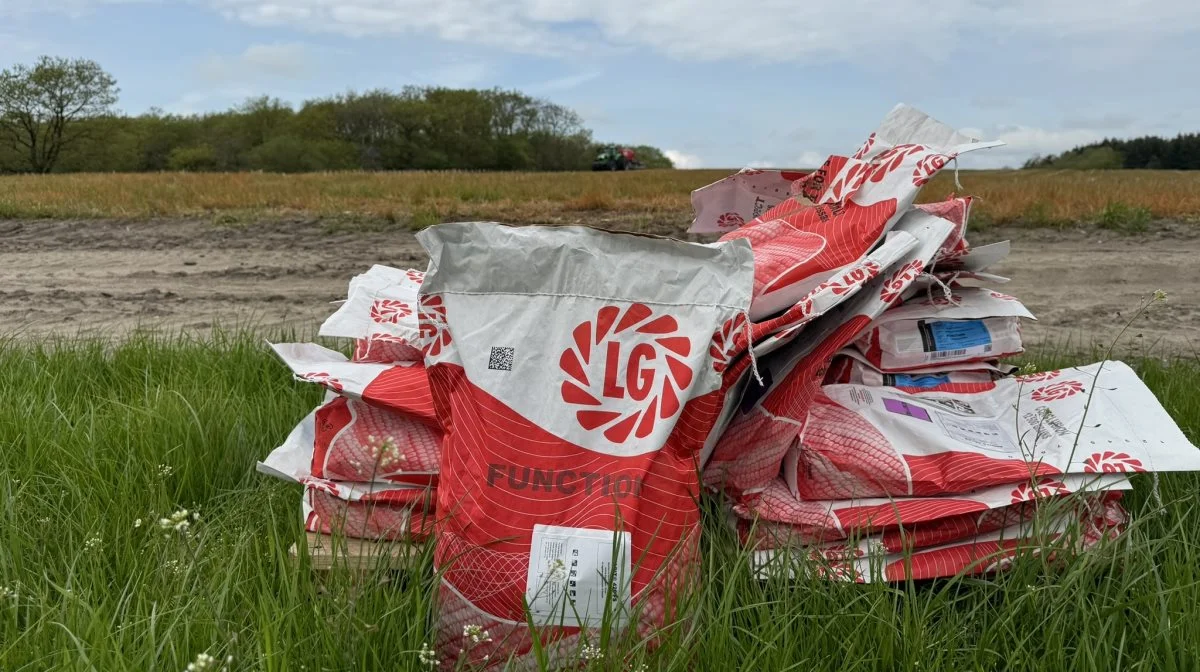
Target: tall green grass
[(95, 436)]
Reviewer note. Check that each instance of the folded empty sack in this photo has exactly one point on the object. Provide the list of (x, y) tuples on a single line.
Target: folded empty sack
[(971, 324)]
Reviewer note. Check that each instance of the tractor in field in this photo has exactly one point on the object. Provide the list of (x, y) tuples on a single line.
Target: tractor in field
[(613, 157)]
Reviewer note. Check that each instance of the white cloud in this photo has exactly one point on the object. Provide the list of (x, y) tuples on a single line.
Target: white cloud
[(862, 31), (198, 102), (564, 83), (455, 74), (280, 60), (683, 160), (865, 31), (19, 45), (809, 159)]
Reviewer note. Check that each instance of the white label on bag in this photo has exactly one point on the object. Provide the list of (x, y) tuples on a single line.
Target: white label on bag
[(983, 434), (572, 575)]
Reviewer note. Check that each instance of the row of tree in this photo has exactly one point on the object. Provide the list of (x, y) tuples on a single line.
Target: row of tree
[(1179, 153), (57, 116)]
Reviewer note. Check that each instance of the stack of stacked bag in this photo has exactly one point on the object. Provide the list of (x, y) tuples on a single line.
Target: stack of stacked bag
[(834, 367), (886, 440), (368, 456)]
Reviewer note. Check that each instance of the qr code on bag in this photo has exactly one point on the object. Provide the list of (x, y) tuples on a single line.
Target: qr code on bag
[(501, 359)]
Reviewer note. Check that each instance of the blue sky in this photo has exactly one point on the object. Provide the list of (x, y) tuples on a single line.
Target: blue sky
[(717, 83)]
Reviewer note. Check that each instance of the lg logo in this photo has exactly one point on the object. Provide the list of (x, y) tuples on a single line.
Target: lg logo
[(625, 371)]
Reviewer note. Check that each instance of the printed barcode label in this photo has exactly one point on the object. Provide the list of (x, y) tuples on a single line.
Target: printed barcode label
[(945, 354), (572, 576)]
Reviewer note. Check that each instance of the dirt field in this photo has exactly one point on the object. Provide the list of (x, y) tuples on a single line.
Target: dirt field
[(97, 276)]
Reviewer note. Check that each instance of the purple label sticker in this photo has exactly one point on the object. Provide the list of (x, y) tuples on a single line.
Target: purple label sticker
[(903, 408)]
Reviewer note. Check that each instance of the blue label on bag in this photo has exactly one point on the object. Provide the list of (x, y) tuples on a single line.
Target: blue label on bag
[(956, 335), (928, 380)]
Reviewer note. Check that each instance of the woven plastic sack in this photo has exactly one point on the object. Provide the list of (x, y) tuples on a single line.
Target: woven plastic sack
[(863, 441), (380, 313), (770, 416), (732, 201), (799, 245), (377, 518), (846, 369), (576, 397), (1093, 520), (402, 387), (355, 441), (781, 513), (970, 324)]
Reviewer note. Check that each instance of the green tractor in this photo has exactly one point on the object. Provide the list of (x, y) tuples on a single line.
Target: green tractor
[(616, 158)]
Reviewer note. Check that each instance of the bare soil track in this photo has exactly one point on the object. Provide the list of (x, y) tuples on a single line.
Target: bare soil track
[(110, 277)]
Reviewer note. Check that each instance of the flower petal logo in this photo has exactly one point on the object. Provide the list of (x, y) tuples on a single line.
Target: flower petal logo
[(867, 146), (1039, 376), (927, 167), (434, 331), (323, 378), (891, 160), (1111, 462), (1057, 391), (416, 276), (730, 220), (1002, 297), (849, 182), (632, 361), (1047, 488), (389, 311), (724, 342), (900, 280)]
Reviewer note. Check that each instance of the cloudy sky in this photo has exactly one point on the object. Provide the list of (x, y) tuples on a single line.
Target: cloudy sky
[(717, 83)]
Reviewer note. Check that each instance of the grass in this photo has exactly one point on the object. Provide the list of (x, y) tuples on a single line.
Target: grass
[(660, 198), (95, 436)]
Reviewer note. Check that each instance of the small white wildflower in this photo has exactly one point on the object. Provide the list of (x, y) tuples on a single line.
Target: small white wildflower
[(137, 523), (45, 520), (203, 662), (93, 543), (1160, 295), (476, 634), (7, 593), (427, 656), (178, 522), (590, 652), (165, 470), (558, 571), (1029, 368), (174, 566)]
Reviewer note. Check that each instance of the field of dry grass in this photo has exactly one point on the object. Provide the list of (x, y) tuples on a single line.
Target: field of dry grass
[(656, 199)]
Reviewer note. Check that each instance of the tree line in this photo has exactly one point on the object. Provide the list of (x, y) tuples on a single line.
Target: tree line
[(1181, 152), (57, 116)]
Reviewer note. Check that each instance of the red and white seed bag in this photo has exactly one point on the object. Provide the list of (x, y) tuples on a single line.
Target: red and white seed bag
[(799, 245), (850, 367), (763, 426), (402, 387), (861, 441), (730, 202), (576, 396), (970, 324), (380, 313), (928, 520), (378, 514), (1071, 529)]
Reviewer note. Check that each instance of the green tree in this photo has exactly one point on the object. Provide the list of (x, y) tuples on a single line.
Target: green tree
[(41, 106)]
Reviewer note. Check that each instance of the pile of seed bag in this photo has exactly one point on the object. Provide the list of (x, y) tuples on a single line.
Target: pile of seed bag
[(547, 404)]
